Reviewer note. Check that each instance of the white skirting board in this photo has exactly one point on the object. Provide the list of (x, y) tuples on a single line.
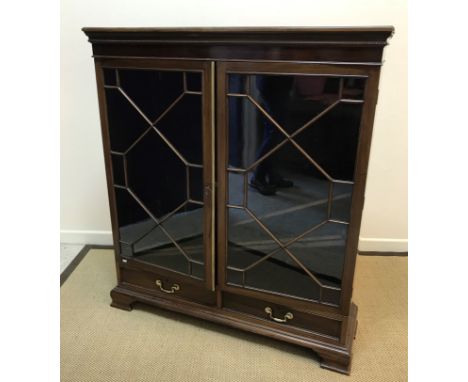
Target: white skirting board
[(86, 237), (105, 238), (367, 244)]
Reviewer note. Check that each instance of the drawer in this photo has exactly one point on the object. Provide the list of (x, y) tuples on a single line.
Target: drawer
[(282, 315), (165, 285)]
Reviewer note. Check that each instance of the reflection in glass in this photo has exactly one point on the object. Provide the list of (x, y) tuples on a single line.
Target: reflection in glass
[(236, 184), (294, 138), (152, 91), (110, 77), (195, 191), (118, 172), (155, 128), (120, 115)]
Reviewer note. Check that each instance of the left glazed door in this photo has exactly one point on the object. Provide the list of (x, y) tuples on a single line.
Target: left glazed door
[(158, 141)]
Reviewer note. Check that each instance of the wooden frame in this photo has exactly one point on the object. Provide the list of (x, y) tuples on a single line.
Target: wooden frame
[(224, 68), (345, 51), (208, 160)]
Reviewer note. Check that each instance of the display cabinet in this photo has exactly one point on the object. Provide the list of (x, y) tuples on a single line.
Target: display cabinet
[(236, 163)]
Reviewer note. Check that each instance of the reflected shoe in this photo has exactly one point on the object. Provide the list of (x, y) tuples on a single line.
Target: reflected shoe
[(282, 183), (263, 188)]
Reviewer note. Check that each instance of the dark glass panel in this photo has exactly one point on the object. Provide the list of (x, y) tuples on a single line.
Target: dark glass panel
[(152, 91), (322, 252), (281, 274), (118, 169), (198, 271), (250, 133), (290, 182), (247, 241), (156, 175), (194, 81), (292, 210), (126, 250), (332, 140), (237, 83), (125, 123), (236, 183), (110, 77), (234, 277), (341, 203), (353, 88), (196, 183), (186, 227), (157, 248), (331, 296), (294, 100), (134, 222), (182, 126)]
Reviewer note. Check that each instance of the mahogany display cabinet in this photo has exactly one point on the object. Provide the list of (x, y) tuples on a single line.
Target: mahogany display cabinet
[(236, 163)]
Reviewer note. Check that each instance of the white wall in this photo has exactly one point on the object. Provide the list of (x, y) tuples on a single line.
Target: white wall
[(84, 204)]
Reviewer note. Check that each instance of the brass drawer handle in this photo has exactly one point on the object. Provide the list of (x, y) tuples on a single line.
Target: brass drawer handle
[(287, 316), (174, 288)]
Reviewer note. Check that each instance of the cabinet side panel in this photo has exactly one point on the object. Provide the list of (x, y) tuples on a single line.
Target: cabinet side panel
[(107, 160), (363, 152)]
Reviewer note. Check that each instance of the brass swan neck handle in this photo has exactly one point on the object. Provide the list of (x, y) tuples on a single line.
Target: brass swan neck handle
[(174, 288), (286, 317)]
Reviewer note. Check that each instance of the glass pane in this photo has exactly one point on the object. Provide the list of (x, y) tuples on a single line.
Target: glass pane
[(247, 243), (152, 91), (182, 126), (298, 142), (186, 227), (353, 88), (237, 83), (126, 124), (134, 221), (282, 275), (323, 251), (157, 248), (118, 171), (341, 203), (156, 131), (196, 183), (110, 77), (194, 82), (236, 184), (156, 175), (288, 194), (332, 140)]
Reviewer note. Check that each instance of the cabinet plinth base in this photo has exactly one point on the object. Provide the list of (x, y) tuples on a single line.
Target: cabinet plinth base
[(121, 300), (335, 357)]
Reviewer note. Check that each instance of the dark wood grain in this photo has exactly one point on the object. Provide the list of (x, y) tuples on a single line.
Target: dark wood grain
[(362, 45), (322, 325), (355, 36)]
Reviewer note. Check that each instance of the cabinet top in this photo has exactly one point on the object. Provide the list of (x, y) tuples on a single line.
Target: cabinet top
[(343, 36)]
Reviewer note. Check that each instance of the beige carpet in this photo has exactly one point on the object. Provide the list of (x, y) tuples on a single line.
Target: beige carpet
[(100, 343)]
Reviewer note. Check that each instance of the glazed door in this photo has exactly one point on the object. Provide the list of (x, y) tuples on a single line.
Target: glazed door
[(157, 131), (287, 146)]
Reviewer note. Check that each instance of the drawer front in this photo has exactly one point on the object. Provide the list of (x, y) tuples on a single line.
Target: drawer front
[(167, 286), (283, 316)]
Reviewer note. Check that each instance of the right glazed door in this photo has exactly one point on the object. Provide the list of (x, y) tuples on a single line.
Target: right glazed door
[(288, 137)]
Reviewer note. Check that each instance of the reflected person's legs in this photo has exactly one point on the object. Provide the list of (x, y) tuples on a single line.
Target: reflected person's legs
[(266, 176), (265, 167)]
